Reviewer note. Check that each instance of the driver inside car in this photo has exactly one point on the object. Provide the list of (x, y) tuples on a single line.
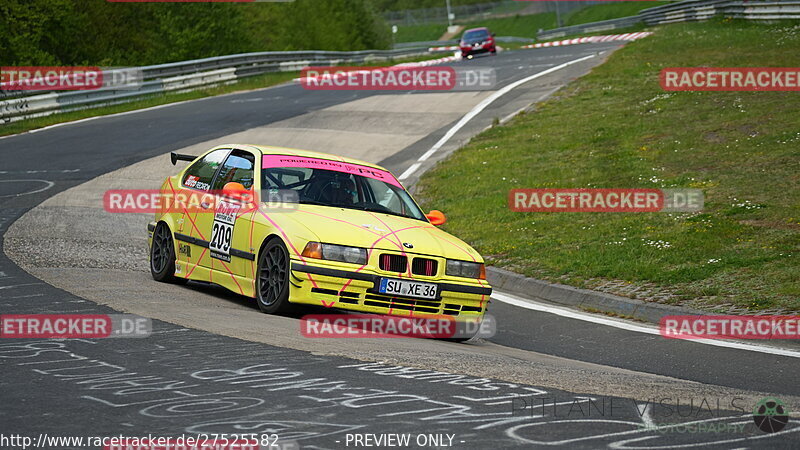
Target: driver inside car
[(340, 191)]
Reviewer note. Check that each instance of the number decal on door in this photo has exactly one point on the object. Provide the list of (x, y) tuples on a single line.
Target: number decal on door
[(222, 231), (221, 237)]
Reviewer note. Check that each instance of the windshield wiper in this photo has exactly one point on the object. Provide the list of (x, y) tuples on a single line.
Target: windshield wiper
[(313, 202), (383, 211)]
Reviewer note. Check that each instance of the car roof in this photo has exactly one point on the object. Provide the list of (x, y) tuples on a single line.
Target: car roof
[(272, 150), (477, 29)]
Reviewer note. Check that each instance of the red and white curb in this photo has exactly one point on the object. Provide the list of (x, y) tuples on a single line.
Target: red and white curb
[(443, 49), (431, 62), (592, 39)]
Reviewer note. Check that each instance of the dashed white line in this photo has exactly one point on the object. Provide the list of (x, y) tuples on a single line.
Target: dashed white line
[(19, 285), (24, 296), (28, 172)]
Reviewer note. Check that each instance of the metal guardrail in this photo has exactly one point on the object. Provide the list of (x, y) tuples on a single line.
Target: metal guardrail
[(689, 10), (481, 11), (184, 76), (592, 27)]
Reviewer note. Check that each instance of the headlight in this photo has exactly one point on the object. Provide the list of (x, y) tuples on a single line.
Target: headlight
[(465, 269), (331, 252)]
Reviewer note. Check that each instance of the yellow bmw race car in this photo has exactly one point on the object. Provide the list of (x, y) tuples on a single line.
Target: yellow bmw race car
[(289, 226)]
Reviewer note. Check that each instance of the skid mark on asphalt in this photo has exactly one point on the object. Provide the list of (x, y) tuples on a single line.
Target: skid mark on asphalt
[(226, 386)]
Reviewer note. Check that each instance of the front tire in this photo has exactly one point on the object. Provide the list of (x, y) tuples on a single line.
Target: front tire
[(457, 340), (272, 284), (162, 256)]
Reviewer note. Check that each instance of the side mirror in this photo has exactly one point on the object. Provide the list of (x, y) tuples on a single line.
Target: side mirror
[(237, 191), (494, 34), (436, 217)]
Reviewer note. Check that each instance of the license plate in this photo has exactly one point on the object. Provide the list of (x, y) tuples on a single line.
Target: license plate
[(406, 288)]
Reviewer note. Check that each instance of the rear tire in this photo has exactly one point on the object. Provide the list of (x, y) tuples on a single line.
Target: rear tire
[(162, 256), (272, 284)]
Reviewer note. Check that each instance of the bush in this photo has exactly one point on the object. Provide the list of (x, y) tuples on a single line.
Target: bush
[(97, 32)]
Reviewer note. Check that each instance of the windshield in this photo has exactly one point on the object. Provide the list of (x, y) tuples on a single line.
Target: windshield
[(475, 35), (339, 184)]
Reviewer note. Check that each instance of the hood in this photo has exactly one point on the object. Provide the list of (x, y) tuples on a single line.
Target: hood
[(379, 231)]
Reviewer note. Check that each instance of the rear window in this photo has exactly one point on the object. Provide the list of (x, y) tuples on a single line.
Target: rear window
[(200, 174)]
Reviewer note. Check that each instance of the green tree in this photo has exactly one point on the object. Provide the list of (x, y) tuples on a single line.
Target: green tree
[(97, 32)]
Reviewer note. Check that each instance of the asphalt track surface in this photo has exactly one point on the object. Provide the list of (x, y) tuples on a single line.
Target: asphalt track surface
[(185, 381)]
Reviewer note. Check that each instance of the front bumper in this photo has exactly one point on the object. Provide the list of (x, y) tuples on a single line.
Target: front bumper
[(470, 50), (358, 291)]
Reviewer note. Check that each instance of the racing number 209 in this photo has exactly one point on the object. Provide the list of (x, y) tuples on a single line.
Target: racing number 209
[(221, 237)]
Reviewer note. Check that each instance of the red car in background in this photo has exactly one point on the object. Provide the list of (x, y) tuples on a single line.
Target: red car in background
[(477, 40)]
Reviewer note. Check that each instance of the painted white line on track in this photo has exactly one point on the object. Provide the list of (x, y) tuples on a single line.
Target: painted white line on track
[(480, 107), (136, 111), (621, 324), (89, 119), (19, 285), (47, 185), (410, 171)]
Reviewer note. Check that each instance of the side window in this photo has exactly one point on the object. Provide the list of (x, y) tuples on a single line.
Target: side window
[(237, 168), (201, 173)]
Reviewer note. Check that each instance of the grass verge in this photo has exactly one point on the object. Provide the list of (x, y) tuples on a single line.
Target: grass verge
[(608, 11), (529, 25), (616, 128), (419, 33), (517, 25)]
